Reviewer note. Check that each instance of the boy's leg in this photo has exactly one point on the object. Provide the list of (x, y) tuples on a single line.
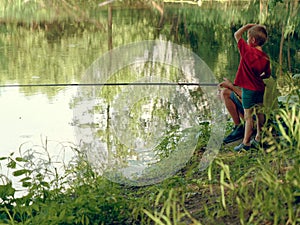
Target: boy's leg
[(248, 126), (247, 98), (231, 106), (260, 122), (245, 145), (235, 109)]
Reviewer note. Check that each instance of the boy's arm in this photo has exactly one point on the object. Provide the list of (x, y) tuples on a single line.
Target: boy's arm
[(239, 33)]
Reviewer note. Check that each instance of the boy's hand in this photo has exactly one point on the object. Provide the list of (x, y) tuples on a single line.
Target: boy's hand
[(249, 25), (229, 85), (238, 34), (226, 84)]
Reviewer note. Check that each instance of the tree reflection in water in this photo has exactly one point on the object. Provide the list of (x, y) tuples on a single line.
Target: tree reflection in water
[(144, 132)]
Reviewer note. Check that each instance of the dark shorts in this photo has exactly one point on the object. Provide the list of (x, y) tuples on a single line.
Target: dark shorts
[(251, 98), (237, 102)]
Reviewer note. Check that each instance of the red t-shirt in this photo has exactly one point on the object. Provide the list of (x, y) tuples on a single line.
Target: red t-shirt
[(253, 64)]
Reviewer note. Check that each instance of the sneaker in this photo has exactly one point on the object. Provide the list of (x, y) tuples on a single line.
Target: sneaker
[(236, 134), (255, 144), (241, 147)]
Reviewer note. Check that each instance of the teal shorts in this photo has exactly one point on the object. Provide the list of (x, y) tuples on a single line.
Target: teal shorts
[(251, 98)]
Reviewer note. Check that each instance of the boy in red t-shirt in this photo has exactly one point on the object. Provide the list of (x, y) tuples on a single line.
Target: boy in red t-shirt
[(253, 68)]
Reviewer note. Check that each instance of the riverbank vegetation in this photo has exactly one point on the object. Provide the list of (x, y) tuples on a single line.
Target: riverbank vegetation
[(256, 187), (260, 186)]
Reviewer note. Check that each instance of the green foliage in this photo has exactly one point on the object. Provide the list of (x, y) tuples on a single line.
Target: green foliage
[(170, 210), (266, 189), (47, 199), (256, 187)]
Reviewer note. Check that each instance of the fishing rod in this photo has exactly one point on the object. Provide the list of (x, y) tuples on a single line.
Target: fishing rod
[(108, 84)]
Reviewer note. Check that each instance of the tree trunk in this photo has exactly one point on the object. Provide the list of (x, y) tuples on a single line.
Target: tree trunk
[(110, 45), (263, 10), (281, 50), (160, 10), (289, 54)]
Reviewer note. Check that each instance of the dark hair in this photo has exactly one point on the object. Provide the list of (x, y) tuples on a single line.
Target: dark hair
[(260, 34)]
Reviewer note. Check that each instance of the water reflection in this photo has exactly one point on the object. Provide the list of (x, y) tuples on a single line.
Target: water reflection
[(145, 131), (29, 120)]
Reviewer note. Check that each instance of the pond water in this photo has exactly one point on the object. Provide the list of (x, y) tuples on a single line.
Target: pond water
[(44, 115), (31, 120)]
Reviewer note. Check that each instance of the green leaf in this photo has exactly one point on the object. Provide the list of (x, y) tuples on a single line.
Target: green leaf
[(20, 159), (25, 179), (20, 172), (12, 164), (45, 184), (26, 184), (6, 190)]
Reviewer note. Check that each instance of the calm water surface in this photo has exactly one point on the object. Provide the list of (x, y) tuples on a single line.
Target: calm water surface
[(33, 119)]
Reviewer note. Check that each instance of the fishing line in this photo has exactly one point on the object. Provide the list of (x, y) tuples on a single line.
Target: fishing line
[(107, 84)]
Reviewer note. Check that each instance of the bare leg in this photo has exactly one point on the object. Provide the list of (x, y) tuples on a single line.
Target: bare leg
[(260, 122), (230, 106), (248, 126)]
